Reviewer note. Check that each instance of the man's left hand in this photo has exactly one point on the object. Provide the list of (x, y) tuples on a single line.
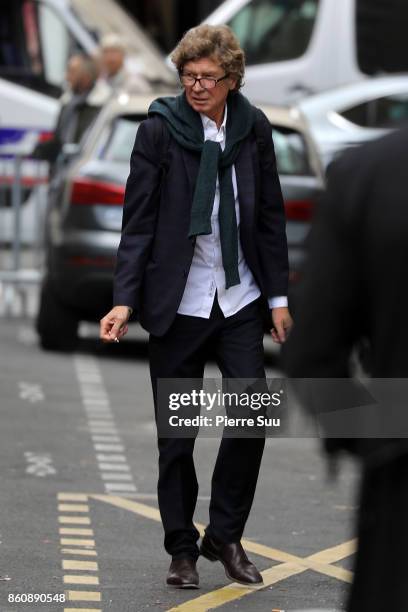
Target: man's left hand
[(281, 324)]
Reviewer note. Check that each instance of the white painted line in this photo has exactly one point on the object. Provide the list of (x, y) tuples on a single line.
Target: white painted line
[(113, 476), (110, 448), (118, 467), (118, 458), (119, 486), (72, 497)]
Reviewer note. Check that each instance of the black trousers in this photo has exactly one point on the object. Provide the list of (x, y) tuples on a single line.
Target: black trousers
[(236, 344)]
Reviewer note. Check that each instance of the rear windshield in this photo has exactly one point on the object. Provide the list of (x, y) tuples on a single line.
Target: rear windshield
[(290, 147)]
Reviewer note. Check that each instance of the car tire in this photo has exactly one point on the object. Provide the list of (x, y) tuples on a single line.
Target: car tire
[(57, 325)]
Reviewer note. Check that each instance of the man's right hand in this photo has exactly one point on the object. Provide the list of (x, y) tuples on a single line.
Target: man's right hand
[(114, 325)]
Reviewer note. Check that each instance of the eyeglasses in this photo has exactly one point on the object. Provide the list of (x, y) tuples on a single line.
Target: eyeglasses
[(188, 80)]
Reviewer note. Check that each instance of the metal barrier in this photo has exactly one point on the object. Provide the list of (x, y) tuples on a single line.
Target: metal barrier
[(23, 187)]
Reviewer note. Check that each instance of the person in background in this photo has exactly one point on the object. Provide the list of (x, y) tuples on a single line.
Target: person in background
[(76, 112), (114, 76), (354, 294)]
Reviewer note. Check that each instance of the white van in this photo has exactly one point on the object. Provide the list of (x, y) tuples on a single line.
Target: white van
[(297, 47)]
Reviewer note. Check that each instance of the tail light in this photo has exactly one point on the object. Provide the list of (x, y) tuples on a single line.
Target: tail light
[(299, 210), (87, 191), (45, 136)]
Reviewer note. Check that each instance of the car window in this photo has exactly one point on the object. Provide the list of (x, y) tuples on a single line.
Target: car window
[(117, 144), (291, 152), (386, 112), (275, 30)]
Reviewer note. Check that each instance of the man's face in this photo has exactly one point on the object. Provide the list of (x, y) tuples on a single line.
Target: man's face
[(74, 74), (112, 61), (210, 102)]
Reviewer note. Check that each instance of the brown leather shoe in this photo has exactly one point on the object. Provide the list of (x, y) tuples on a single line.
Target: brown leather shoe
[(237, 565), (183, 574)]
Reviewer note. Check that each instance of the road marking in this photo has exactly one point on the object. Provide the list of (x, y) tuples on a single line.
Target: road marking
[(107, 442), (83, 596), (114, 448), (113, 476), (73, 508), (75, 520), (113, 439), (290, 565), (120, 486), (82, 610), (76, 542), (31, 392), (73, 531), (119, 467), (39, 464), (72, 497), (69, 564), (79, 551), (70, 579)]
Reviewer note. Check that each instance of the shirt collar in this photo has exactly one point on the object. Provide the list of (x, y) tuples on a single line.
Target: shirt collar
[(208, 123)]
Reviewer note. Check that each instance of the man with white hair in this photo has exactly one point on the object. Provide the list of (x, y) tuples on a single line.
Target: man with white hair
[(114, 76)]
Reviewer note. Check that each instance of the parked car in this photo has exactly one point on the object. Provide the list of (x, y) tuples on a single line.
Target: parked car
[(85, 213), (349, 116), (294, 48)]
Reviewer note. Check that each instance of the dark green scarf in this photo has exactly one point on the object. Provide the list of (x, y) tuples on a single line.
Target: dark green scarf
[(186, 127)]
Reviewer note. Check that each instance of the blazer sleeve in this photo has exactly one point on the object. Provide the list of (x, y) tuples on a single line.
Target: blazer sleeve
[(271, 223), (142, 197)]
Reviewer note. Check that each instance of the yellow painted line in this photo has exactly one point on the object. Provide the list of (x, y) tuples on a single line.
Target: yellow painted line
[(69, 579), (131, 506), (76, 542), (335, 553), (231, 592), (79, 551), (82, 610), (72, 497), (290, 565), (83, 596), (69, 564), (75, 520), (74, 531), (73, 508), (315, 562)]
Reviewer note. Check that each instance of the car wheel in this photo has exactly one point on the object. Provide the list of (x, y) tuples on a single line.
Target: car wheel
[(57, 325)]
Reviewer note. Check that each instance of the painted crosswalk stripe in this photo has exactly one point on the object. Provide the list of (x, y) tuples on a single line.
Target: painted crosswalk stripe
[(69, 564), (83, 596), (79, 551), (120, 486), (113, 439), (72, 497), (76, 542), (117, 467), (70, 579), (114, 448), (74, 531), (75, 520), (73, 508), (113, 476)]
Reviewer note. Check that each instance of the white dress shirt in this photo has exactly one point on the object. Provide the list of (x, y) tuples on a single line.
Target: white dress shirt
[(206, 276)]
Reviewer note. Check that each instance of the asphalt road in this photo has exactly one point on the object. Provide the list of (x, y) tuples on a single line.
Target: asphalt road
[(79, 515)]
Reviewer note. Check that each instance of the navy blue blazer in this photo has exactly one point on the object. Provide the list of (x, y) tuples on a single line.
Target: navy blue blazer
[(155, 253)]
